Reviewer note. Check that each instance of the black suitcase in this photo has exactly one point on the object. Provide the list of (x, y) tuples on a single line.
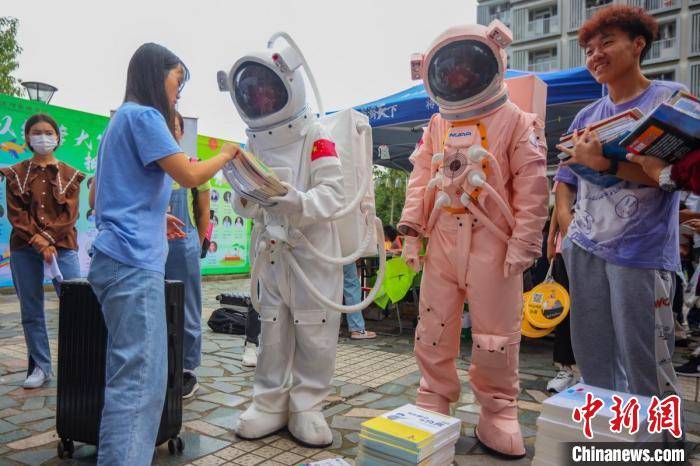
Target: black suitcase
[(82, 344)]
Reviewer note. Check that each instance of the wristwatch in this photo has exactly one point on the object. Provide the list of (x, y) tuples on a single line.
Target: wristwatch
[(612, 169), (665, 181)]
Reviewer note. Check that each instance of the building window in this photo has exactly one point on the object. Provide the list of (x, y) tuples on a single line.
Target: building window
[(660, 4), (666, 46), (663, 75), (576, 55), (594, 5), (695, 35), (543, 20), (501, 12), (653, 5), (543, 59), (695, 79)]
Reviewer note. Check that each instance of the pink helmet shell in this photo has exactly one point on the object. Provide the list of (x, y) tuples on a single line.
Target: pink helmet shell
[(496, 36)]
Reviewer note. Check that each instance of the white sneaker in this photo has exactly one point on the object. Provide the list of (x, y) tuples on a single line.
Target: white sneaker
[(250, 355), (563, 380), (36, 379)]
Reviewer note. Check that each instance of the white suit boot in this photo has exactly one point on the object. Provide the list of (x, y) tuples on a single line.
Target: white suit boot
[(310, 429), (254, 424)]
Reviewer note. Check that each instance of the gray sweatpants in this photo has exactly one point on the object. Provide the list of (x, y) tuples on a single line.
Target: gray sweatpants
[(621, 324)]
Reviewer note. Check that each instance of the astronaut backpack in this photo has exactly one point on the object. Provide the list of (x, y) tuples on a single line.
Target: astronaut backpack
[(352, 135)]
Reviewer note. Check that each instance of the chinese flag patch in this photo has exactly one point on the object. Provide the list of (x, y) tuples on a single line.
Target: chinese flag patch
[(323, 148)]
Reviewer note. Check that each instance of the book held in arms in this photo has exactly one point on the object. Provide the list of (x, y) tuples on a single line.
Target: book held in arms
[(555, 425), (610, 131), (670, 131), (408, 436), (251, 179)]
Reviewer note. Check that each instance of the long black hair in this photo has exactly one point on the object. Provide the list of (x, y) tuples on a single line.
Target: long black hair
[(145, 79)]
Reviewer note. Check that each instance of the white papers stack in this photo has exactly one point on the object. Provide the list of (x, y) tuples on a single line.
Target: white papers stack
[(251, 179), (556, 425), (328, 462), (408, 436)]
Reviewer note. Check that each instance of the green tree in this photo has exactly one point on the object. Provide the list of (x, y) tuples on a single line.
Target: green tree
[(389, 193), (9, 51)]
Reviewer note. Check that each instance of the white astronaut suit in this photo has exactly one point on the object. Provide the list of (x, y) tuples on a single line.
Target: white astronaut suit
[(299, 336)]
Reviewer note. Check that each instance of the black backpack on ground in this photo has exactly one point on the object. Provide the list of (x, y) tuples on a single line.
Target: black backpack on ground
[(224, 320), (231, 318)]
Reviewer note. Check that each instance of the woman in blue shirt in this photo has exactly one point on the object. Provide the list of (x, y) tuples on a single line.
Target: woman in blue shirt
[(132, 190)]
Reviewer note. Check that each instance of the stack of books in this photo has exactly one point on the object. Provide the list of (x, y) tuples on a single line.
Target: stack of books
[(408, 436), (610, 131), (251, 179), (556, 426), (670, 131), (327, 462)]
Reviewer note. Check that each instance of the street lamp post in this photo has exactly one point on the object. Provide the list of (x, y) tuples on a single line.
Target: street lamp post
[(39, 91)]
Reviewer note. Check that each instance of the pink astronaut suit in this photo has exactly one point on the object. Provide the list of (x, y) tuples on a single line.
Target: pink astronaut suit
[(478, 191)]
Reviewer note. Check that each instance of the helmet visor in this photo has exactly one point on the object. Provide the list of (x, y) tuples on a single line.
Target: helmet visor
[(462, 69), (258, 90)]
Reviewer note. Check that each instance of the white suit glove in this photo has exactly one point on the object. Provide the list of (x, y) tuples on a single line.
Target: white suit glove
[(411, 252), (290, 203)]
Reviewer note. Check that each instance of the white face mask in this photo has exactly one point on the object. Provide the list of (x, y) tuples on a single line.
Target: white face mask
[(43, 144)]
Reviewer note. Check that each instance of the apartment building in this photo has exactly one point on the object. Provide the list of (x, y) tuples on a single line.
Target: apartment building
[(545, 34)]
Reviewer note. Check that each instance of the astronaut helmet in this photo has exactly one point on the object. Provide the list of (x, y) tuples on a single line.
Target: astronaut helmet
[(463, 70), (266, 91)]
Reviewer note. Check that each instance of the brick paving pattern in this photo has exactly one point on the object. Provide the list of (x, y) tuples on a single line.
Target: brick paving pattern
[(372, 376)]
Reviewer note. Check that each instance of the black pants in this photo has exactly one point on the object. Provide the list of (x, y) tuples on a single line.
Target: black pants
[(678, 299), (563, 353), (252, 326)]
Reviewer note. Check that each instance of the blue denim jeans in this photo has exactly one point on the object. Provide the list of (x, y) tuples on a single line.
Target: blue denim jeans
[(183, 265), (133, 305), (352, 294), (27, 266)]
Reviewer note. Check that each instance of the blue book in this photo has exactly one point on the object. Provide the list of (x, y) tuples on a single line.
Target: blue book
[(669, 132)]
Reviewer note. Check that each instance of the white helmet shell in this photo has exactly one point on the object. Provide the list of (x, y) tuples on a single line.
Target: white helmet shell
[(266, 93)]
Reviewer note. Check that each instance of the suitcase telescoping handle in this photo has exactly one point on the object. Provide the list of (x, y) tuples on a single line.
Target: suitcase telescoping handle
[(172, 335)]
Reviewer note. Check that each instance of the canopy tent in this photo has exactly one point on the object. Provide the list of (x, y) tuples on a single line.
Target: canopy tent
[(397, 119)]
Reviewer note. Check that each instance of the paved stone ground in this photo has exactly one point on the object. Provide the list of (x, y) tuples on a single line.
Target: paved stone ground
[(371, 377)]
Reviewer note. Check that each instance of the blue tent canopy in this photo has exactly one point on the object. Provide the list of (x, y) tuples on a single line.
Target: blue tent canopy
[(397, 119)]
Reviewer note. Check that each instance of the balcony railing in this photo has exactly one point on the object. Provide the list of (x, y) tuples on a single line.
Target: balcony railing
[(544, 65), (663, 49), (654, 5), (592, 10), (542, 26), (503, 16)]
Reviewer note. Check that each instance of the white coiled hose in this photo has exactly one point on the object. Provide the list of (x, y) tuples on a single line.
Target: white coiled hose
[(263, 254), (339, 307), (340, 260)]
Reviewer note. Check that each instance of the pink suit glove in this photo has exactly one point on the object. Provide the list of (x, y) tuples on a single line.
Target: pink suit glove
[(518, 258), (411, 252)]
